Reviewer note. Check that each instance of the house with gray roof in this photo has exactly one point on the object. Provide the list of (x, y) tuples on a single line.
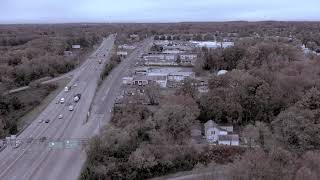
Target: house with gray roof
[(222, 135)]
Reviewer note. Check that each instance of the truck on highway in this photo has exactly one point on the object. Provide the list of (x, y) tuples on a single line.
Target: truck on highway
[(77, 97)]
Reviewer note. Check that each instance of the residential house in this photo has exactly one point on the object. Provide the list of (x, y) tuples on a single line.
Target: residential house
[(212, 131), (220, 134)]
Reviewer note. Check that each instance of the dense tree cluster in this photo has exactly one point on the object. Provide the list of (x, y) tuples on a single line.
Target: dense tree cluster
[(141, 143), (12, 107), (271, 55), (31, 52)]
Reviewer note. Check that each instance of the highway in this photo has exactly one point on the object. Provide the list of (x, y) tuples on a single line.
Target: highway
[(51, 161)]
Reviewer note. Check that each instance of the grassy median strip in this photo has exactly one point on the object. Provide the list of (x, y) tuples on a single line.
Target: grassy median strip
[(114, 61)]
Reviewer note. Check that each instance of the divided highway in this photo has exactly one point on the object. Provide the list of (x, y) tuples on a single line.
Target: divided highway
[(27, 161), (48, 161)]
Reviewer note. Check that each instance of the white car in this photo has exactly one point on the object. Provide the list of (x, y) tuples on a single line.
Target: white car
[(66, 89), (62, 100), (71, 108), (40, 121), (60, 116), (17, 144), (75, 85)]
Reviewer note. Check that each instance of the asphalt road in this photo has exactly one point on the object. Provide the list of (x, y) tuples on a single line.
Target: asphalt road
[(39, 161)]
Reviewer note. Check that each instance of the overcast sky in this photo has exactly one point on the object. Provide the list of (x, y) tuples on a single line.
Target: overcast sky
[(62, 11)]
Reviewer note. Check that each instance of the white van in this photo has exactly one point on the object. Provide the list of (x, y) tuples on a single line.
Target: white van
[(17, 144)]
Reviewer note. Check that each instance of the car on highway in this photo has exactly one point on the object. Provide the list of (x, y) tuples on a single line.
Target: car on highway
[(17, 144), (40, 121), (62, 100), (47, 121), (71, 108), (60, 116), (75, 85), (77, 97), (67, 89)]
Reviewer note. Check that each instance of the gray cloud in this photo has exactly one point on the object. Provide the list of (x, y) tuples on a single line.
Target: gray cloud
[(40, 11)]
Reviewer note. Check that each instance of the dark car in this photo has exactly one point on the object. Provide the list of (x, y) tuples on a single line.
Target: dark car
[(47, 121)]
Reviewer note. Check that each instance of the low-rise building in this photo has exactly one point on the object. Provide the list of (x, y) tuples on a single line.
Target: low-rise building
[(143, 80), (126, 46), (141, 70), (178, 47), (67, 53), (76, 46), (134, 37), (174, 51), (212, 44), (188, 56), (127, 80), (180, 76), (188, 59), (122, 54), (162, 62), (159, 79), (140, 80), (161, 42), (222, 72), (156, 57), (203, 89)]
